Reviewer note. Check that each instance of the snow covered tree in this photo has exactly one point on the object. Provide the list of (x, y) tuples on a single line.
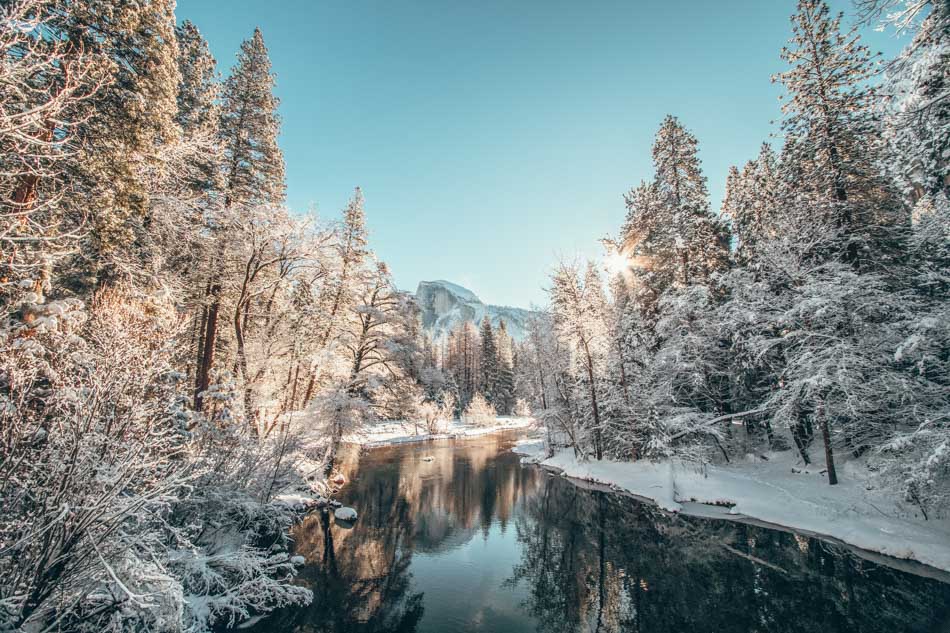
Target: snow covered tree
[(646, 246), (751, 203), (579, 311), (916, 106), (488, 367), (198, 115), (253, 174), (463, 361), (43, 84), (831, 149), (129, 127), (339, 289), (505, 377), (699, 242), (254, 164)]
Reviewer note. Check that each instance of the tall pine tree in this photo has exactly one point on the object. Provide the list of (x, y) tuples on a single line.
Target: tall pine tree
[(253, 173), (254, 164), (751, 204), (697, 240), (128, 126), (488, 367), (832, 147), (198, 114)]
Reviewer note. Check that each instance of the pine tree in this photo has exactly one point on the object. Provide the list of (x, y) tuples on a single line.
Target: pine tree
[(699, 242), (198, 115), (488, 365), (505, 384), (338, 293), (917, 110), (751, 203), (254, 164), (647, 244), (253, 173), (127, 126), (831, 148)]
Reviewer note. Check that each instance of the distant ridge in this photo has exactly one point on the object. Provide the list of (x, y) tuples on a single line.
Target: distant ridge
[(445, 305)]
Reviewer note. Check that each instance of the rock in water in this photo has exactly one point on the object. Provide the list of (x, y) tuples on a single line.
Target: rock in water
[(345, 514)]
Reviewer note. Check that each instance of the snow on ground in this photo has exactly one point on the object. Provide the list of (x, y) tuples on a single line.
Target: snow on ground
[(529, 446), (776, 491), (401, 432), (300, 502)]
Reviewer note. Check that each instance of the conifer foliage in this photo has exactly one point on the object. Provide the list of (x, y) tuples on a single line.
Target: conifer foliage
[(177, 351), (810, 315)]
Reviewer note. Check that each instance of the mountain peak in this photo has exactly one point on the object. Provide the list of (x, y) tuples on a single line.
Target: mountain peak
[(446, 305), (462, 293)]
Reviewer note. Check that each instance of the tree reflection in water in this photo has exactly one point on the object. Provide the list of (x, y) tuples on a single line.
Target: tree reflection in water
[(597, 561), (571, 560)]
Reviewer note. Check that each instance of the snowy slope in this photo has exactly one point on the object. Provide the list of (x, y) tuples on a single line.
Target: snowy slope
[(779, 492), (445, 305)]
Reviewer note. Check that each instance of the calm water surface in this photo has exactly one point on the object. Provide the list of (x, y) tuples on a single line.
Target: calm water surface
[(458, 536)]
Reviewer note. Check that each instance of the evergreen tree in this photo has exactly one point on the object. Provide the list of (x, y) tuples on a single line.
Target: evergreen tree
[(339, 291), (831, 149), (128, 125), (698, 241), (647, 245), (505, 384), (917, 110), (253, 175), (751, 203), (349, 244), (198, 115), (254, 164), (488, 363)]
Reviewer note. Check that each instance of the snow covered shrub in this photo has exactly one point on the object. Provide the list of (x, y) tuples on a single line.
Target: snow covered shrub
[(479, 412), (114, 492), (94, 452), (447, 405), (431, 416), (436, 415), (338, 412), (521, 408), (918, 464)]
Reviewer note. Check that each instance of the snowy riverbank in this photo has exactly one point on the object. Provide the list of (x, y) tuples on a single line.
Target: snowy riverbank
[(400, 432), (776, 491)]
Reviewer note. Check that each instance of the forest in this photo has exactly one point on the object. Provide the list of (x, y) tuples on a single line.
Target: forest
[(810, 312), (179, 350)]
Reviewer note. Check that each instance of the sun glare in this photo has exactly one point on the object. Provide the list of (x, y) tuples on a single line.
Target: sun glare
[(616, 262)]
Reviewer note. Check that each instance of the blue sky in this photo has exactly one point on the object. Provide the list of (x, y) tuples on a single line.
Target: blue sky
[(492, 138)]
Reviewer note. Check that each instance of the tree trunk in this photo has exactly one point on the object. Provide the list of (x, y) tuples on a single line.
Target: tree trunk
[(242, 364), (25, 193), (308, 393), (598, 448), (203, 375), (623, 374), (826, 438)]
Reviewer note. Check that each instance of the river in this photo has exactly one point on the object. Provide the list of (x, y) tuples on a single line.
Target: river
[(458, 536)]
